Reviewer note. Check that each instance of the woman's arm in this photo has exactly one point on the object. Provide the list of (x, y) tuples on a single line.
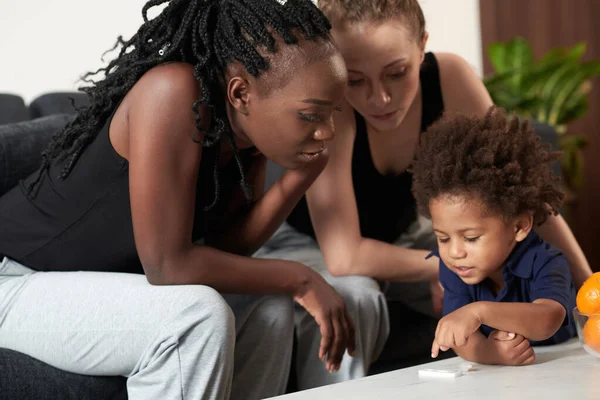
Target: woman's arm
[(556, 232), (163, 174), (332, 203), (334, 217), (250, 230), (462, 90)]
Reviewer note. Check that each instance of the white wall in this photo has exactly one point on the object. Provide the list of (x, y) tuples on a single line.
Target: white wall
[(47, 45), (453, 26)]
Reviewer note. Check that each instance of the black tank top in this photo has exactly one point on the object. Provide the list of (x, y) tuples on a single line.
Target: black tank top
[(386, 206), (83, 222)]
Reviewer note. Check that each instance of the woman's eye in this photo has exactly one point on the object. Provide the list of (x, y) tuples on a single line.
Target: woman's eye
[(355, 82), (309, 117), (398, 75)]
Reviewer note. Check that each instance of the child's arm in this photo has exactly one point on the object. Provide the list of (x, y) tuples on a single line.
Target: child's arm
[(551, 293), (500, 347), (536, 321)]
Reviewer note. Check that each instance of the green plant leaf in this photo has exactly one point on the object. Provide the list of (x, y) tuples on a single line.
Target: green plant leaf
[(570, 86), (496, 81), (561, 55), (511, 59), (497, 56), (537, 78), (572, 111), (572, 142), (520, 59), (575, 53)]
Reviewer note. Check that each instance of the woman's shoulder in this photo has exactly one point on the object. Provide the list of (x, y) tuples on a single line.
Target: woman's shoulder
[(167, 91), (162, 101), (174, 79), (462, 89)]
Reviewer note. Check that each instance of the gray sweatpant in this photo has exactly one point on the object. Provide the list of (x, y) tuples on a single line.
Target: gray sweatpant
[(171, 342), (364, 298)]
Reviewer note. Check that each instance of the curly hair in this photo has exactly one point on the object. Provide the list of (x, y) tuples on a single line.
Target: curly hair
[(341, 12), (500, 161), (210, 35)]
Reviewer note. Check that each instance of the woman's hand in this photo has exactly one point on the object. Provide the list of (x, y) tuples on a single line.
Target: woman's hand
[(329, 311)]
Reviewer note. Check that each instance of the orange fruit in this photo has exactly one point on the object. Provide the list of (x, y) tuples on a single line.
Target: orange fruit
[(588, 296), (591, 333)]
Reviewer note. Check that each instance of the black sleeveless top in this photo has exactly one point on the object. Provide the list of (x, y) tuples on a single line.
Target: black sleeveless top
[(83, 222), (386, 206)]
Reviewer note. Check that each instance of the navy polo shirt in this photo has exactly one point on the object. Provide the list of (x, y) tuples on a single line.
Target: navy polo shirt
[(534, 270)]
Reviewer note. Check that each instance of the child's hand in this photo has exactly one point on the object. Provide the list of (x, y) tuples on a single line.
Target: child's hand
[(510, 348), (455, 328)]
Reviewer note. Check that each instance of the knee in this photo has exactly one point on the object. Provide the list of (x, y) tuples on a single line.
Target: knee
[(362, 296), (202, 306), (277, 315)]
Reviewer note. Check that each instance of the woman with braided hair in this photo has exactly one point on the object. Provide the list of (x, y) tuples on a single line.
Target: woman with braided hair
[(120, 256)]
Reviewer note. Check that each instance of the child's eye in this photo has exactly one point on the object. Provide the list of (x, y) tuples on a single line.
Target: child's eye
[(472, 239), (309, 117), (443, 240)]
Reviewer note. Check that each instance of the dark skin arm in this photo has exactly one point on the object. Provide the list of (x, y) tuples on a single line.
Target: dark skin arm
[(535, 321), (163, 171), (252, 226), (500, 348)]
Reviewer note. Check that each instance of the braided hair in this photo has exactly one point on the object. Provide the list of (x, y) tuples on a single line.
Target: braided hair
[(210, 35)]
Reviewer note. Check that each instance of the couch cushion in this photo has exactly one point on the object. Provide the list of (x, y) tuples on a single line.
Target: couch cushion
[(21, 147), (12, 109), (57, 103), (23, 377)]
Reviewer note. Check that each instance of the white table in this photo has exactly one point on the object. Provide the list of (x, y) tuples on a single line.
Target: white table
[(562, 372)]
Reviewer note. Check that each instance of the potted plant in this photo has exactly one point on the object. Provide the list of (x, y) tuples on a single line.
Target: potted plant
[(552, 90)]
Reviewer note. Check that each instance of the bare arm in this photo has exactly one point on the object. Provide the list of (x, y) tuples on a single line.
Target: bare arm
[(462, 89), (332, 203), (254, 227), (163, 169), (536, 321), (459, 330), (335, 219), (476, 350), (556, 232), (499, 348)]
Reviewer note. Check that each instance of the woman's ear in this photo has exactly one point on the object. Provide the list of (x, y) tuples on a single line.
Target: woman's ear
[(238, 94), (423, 44), (523, 225)]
